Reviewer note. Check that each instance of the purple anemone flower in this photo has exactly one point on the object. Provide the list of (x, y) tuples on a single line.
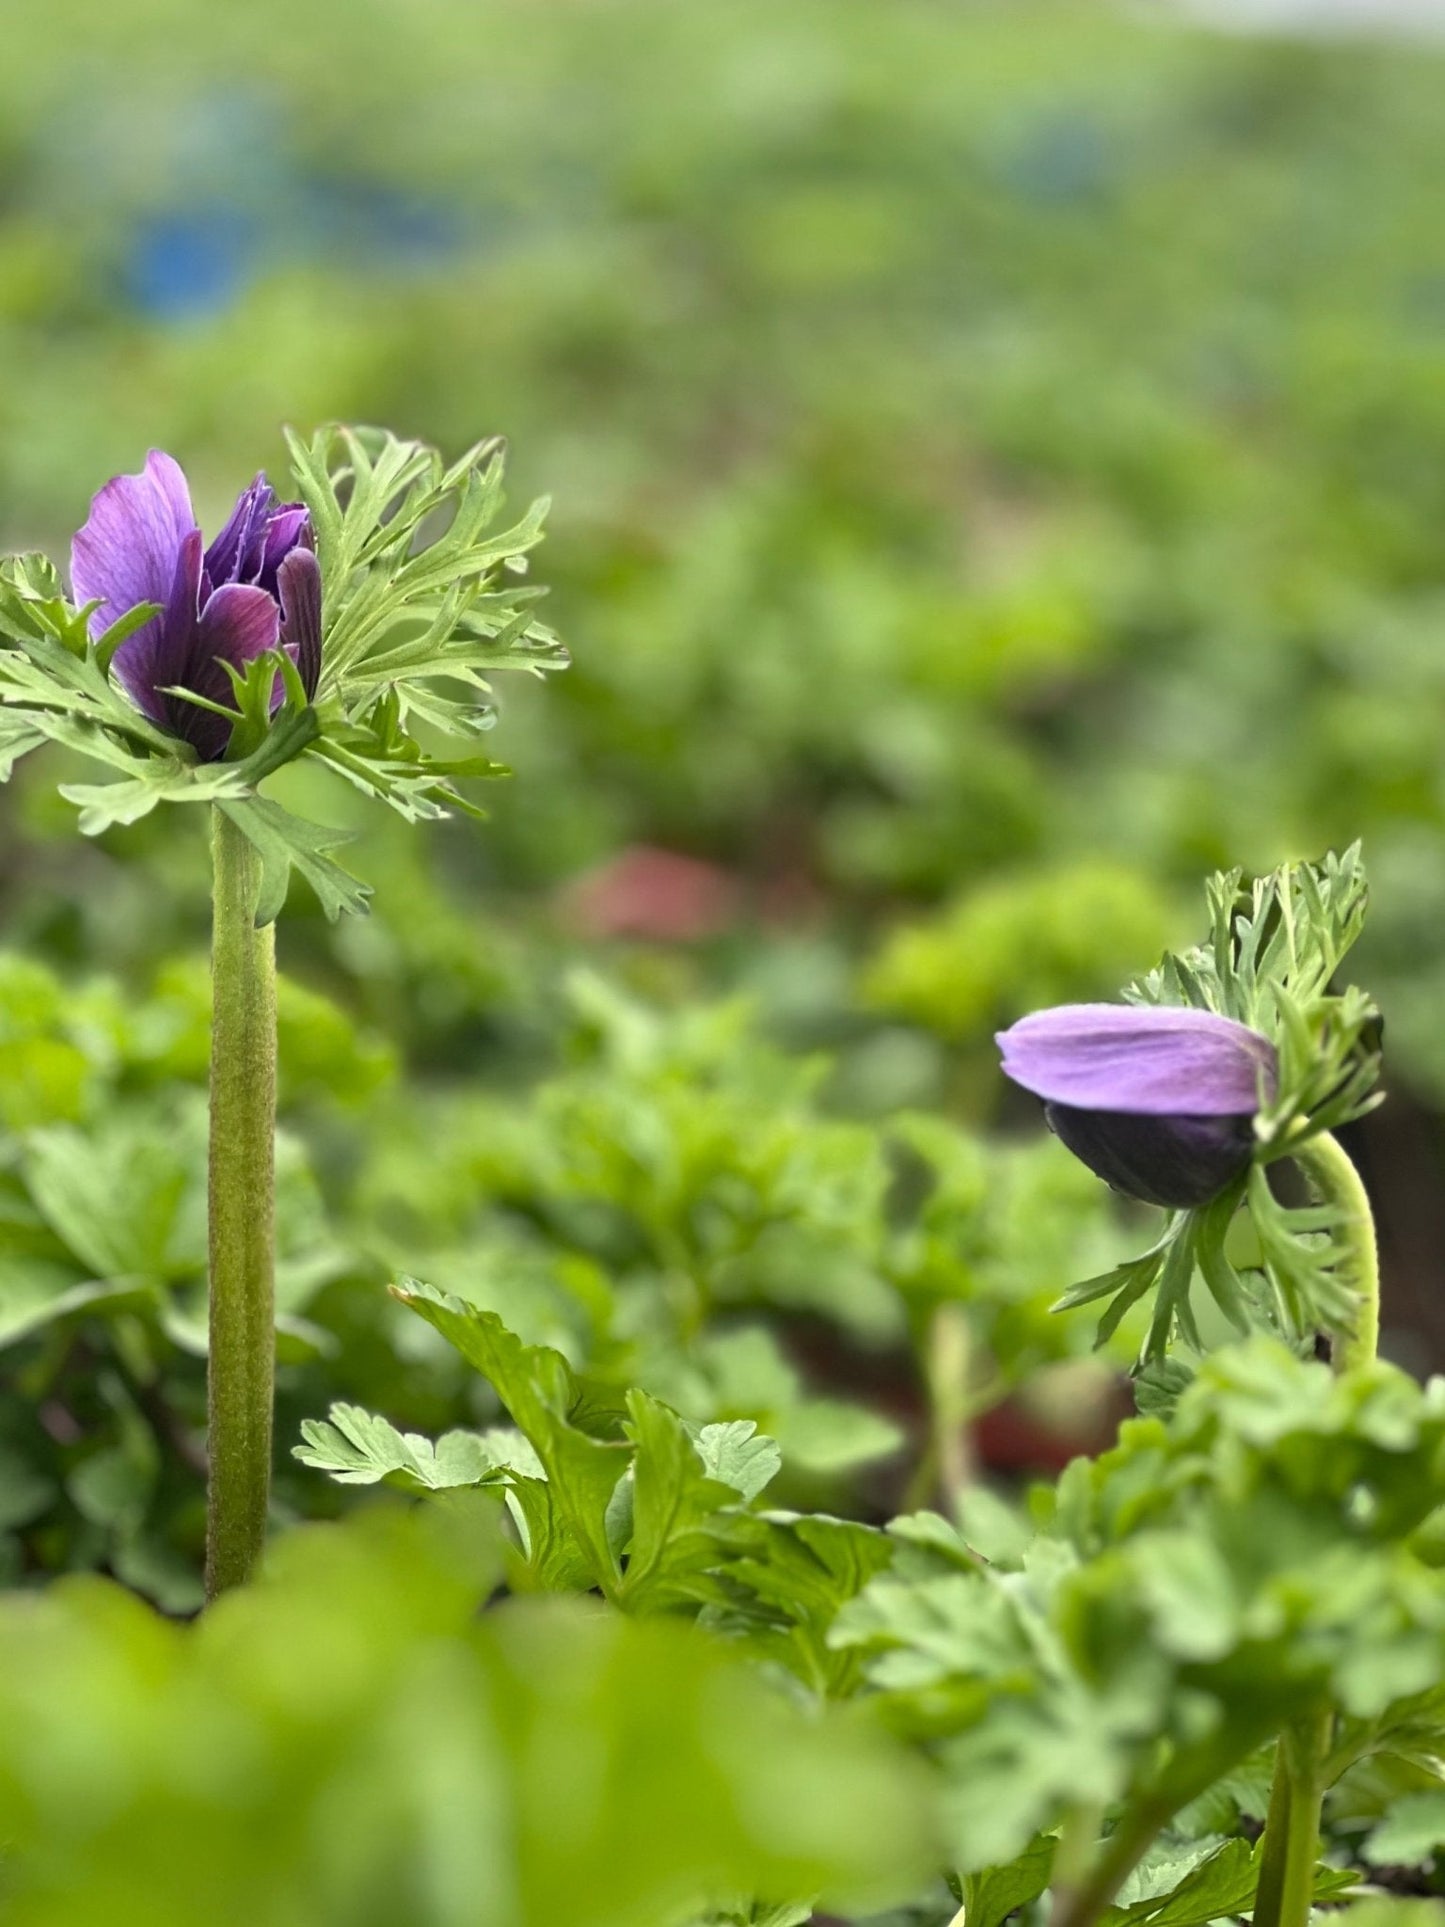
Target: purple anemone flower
[(1159, 1102), (257, 587)]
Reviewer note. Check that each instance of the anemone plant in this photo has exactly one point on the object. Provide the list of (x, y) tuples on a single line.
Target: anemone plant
[(355, 625), (1218, 1065), (1221, 1063)]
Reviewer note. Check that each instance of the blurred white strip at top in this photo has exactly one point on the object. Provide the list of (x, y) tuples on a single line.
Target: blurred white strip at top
[(1422, 18)]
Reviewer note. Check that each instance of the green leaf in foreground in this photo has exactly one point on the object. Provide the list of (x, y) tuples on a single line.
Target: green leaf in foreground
[(351, 1743)]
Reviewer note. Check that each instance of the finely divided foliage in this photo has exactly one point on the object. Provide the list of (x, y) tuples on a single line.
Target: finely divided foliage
[(1103, 1677), (1270, 963), (1095, 1685), (422, 599), (424, 611), (1273, 950)]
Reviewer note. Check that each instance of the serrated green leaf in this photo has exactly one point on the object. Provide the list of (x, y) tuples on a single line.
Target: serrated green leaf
[(762, 1914), (1131, 1279), (285, 842), (739, 1455), (782, 1580), (993, 1893), (1411, 1833), (19, 734), (538, 1389), (381, 582), (1224, 1884), (672, 1498), (552, 1558), (1275, 946), (357, 1448)]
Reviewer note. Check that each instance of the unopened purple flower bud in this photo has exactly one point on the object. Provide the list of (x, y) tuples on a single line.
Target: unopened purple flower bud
[(257, 587), (1158, 1102)]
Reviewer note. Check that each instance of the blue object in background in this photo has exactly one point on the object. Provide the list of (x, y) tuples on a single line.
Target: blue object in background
[(194, 233), (197, 261), (366, 221), (1063, 158), (194, 263)]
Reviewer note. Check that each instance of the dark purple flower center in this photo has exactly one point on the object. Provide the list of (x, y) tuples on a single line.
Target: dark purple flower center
[(260, 533)]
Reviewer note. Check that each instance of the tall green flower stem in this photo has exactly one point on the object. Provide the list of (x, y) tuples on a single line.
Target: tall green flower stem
[(1292, 1829), (242, 1192)]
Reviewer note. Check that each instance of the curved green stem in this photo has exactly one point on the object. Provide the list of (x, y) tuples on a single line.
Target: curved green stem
[(1292, 1830), (1079, 1901), (241, 1372), (1334, 1180)]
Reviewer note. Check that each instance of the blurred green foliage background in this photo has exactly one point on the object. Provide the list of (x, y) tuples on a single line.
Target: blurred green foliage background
[(998, 460), (999, 467)]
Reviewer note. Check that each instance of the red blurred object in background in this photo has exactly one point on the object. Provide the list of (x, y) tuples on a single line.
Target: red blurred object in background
[(652, 893)]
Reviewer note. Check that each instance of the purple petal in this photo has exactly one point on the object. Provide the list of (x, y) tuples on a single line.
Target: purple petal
[(299, 585), (1150, 1062), (290, 524), (235, 555), (1180, 1162), (259, 534), (159, 653), (127, 551), (236, 625)]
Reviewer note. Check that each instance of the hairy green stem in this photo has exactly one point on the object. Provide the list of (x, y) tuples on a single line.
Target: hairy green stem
[(1292, 1830), (242, 1191)]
